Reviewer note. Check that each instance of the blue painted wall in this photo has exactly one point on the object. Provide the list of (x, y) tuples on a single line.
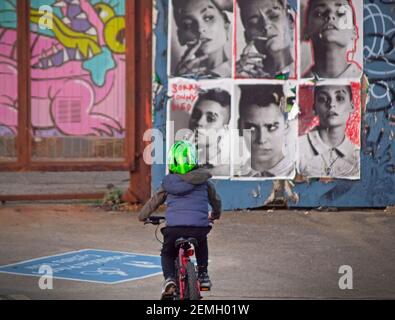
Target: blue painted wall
[(377, 185)]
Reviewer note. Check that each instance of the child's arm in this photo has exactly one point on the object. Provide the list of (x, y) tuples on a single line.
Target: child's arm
[(152, 204), (214, 200)]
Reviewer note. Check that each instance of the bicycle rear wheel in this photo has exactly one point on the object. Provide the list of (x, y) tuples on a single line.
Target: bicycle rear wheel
[(192, 291)]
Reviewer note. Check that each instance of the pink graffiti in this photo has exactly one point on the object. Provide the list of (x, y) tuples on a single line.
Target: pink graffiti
[(63, 95)]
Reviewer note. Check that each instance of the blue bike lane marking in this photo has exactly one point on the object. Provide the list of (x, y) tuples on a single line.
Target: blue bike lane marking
[(91, 265)]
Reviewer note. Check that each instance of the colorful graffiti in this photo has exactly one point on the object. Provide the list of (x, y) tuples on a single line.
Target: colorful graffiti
[(380, 63), (378, 126), (77, 68), (8, 72)]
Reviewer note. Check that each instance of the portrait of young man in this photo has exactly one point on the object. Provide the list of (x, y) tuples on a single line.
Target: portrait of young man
[(265, 39), (201, 114), (264, 126)]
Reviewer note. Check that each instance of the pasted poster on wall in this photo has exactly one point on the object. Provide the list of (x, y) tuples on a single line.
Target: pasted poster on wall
[(200, 38), (286, 98), (329, 129), (265, 144), (331, 38), (200, 112), (266, 39)]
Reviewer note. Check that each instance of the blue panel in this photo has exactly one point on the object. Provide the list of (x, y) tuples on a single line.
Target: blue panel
[(376, 187), (91, 265)]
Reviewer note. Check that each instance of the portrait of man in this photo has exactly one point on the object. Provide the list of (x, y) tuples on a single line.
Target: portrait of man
[(331, 46), (205, 123), (201, 38), (327, 150), (265, 35), (264, 126)]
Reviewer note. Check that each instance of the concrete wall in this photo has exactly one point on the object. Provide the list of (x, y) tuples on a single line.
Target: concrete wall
[(376, 188)]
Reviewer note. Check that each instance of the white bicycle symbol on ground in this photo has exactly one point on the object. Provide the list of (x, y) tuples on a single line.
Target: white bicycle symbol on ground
[(142, 264), (106, 271), (111, 271)]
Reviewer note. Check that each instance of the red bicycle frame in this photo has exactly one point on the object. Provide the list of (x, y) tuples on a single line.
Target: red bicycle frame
[(186, 271), (184, 258)]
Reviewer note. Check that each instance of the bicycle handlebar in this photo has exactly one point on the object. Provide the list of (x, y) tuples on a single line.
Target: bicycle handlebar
[(155, 220)]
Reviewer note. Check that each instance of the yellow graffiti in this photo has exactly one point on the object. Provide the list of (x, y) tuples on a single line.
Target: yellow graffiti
[(86, 44), (104, 11), (114, 34)]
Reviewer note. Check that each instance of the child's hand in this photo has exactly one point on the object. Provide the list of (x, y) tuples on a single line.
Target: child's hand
[(210, 217)]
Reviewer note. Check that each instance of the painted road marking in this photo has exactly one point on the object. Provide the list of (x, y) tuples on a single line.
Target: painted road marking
[(91, 265)]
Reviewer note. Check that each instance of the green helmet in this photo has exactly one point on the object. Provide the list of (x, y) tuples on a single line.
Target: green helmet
[(182, 157)]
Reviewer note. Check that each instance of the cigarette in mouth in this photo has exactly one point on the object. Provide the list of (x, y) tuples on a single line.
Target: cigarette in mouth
[(193, 42)]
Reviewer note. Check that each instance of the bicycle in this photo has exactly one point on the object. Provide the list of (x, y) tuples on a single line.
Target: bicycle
[(188, 285)]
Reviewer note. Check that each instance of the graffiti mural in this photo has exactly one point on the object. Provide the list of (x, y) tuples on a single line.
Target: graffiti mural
[(8, 71), (379, 67), (77, 69)]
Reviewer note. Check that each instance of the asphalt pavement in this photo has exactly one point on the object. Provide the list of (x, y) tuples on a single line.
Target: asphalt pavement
[(295, 254)]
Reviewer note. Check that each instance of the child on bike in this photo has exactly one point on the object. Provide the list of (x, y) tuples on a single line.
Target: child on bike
[(187, 193)]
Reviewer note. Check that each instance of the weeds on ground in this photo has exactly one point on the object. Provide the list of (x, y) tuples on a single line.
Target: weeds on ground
[(112, 199)]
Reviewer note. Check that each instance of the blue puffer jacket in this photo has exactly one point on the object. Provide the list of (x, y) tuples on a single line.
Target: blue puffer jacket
[(187, 199), (188, 196)]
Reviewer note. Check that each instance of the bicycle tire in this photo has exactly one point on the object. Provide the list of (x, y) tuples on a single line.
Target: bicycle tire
[(192, 291)]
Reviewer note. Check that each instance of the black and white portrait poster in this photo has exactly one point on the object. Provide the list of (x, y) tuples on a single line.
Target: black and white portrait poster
[(200, 112), (331, 39), (267, 89), (265, 114), (200, 38), (329, 129), (266, 39)]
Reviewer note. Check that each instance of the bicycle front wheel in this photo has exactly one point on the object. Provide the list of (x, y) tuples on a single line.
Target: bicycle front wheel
[(192, 291)]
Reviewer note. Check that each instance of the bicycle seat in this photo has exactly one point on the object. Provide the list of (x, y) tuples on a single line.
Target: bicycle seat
[(181, 241)]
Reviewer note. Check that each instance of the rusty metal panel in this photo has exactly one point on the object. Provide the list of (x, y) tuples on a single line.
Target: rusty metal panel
[(140, 178)]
